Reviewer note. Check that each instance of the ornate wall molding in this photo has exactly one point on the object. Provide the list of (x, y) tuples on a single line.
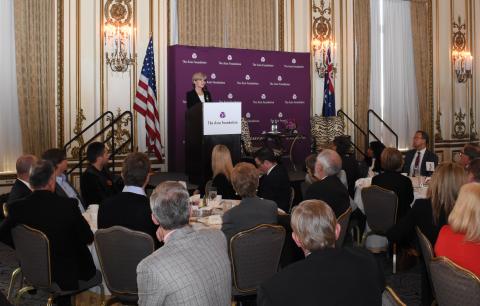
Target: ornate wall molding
[(121, 134), (459, 126), (322, 20), (75, 151), (60, 103)]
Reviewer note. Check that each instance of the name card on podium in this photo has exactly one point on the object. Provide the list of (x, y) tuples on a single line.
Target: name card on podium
[(222, 118)]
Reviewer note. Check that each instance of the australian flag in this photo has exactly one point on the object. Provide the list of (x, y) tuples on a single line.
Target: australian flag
[(328, 90)]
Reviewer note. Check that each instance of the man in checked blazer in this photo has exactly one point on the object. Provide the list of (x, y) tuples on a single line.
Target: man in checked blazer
[(192, 268)]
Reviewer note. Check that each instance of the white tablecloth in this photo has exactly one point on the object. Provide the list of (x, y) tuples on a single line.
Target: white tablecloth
[(378, 242)]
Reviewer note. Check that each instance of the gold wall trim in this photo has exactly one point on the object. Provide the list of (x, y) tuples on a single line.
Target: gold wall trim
[(292, 25), (78, 56), (438, 133), (60, 102), (102, 59), (281, 24)]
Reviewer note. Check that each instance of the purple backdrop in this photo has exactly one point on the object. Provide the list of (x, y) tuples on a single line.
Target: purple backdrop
[(270, 85)]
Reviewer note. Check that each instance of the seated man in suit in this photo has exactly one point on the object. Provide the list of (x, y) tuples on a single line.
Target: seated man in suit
[(328, 187), (419, 159), (63, 188), (192, 267), (60, 220), (130, 208), (252, 210), (274, 184), (97, 182), (327, 275), (21, 187)]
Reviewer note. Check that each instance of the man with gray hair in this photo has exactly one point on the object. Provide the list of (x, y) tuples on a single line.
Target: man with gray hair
[(329, 188), (327, 276), (21, 188), (192, 268)]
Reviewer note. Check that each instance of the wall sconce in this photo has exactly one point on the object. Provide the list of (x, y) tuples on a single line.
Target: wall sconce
[(118, 34), (322, 38), (462, 59)]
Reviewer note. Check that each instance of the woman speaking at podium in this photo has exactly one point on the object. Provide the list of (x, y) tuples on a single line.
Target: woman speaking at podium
[(199, 93)]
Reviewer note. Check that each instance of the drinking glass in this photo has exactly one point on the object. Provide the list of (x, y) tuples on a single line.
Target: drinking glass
[(212, 195)]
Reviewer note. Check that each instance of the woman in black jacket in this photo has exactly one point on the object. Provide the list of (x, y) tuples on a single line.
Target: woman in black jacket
[(199, 93)]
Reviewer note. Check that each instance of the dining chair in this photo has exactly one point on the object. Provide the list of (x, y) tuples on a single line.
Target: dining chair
[(427, 254), (255, 255), (380, 206), (343, 220), (119, 251), (390, 298), (290, 202), (454, 285), (32, 249)]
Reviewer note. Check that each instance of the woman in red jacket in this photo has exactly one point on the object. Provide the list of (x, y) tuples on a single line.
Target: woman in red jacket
[(460, 239)]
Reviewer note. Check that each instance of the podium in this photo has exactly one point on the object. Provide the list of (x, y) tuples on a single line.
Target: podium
[(206, 125)]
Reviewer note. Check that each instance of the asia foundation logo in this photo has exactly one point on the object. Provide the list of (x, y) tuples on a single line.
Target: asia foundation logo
[(229, 57), (279, 78), (222, 115), (247, 77), (248, 115), (262, 59), (280, 115), (294, 97), (263, 96), (194, 55), (213, 76), (230, 95), (294, 61)]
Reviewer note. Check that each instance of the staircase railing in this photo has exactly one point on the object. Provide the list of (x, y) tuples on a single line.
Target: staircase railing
[(358, 128), (109, 127), (371, 111)]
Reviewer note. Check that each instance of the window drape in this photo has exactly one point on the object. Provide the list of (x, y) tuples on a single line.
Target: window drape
[(10, 134), (393, 89)]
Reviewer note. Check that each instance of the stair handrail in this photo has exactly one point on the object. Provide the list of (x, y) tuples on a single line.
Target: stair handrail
[(342, 113), (88, 127), (371, 111)]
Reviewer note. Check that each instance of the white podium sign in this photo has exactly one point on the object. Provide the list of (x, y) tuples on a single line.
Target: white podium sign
[(222, 118)]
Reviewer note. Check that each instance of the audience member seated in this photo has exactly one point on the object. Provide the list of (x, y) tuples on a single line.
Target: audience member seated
[(130, 208), (391, 179), (416, 159), (374, 153), (329, 188), (21, 188), (432, 213), (327, 275), (252, 210), (474, 171), (460, 239), (469, 152), (63, 188), (349, 163), (192, 268), (97, 182), (60, 220), (274, 184), (222, 172)]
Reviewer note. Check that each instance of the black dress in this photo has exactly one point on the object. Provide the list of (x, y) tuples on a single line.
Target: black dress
[(192, 97), (224, 187)]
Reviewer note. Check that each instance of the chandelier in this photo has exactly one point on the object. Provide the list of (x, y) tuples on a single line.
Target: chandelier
[(462, 59), (320, 54)]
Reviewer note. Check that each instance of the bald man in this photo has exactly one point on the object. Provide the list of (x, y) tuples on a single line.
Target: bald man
[(21, 187)]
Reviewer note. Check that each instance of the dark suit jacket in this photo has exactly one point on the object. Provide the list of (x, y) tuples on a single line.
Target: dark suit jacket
[(129, 210), (332, 191), (276, 187), (427, 157), (19, 191), (97, 186), (224, 187), (68, 232), (192, 97), (249, 213), (401, 185), (350, 165), (340, 277), (420, 215), (61, 193)]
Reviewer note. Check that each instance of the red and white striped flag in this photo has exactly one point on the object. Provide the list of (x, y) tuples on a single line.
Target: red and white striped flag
[(146, 103)]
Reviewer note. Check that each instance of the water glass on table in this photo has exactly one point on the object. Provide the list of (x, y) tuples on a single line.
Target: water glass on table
[(211, 195)]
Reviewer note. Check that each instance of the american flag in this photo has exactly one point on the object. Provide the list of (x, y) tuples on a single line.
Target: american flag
[(146, 103), (328, 90)]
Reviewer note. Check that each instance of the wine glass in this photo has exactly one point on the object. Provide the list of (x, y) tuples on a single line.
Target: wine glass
[(212, 194)]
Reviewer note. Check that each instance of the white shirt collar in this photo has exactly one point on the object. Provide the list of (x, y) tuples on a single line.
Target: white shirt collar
[(271, 168), (134, 189), (25, 182)]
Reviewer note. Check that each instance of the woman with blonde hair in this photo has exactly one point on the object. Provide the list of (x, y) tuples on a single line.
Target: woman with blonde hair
[(199, 93), (222, 171), (460, 239)]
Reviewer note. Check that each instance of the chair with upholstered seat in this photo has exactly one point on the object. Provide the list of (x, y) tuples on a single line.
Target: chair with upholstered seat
[(427, 254), (290, 202), (343, 220), (119, 251), (454, 285), (255, 255), (32, 249), (390, 298), (381, 211)]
